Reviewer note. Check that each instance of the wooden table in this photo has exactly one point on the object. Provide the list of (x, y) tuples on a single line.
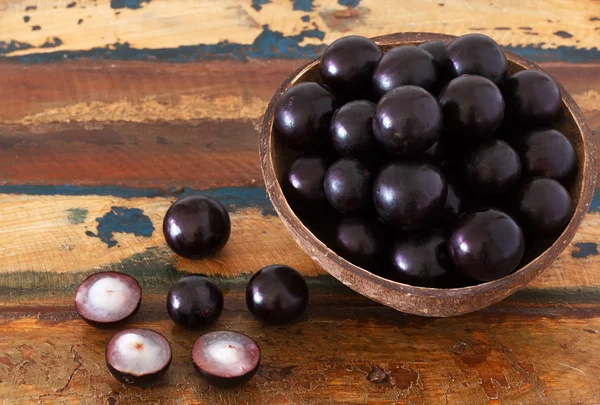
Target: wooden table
[(110, 110)]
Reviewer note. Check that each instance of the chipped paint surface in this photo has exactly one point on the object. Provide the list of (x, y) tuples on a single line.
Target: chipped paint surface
[(584, 249), (303, 5), (77, 216), (257, 4), (349, 3), (233, 198), (130, 4), (114, 29), (267, 45), (52, 43), (122, 220), (7, 47)]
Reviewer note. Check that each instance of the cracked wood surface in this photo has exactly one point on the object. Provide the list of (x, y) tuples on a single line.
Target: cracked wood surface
[(345, 350), (109, 110)]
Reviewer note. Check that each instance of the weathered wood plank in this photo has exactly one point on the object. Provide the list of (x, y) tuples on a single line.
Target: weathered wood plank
[(138, 91), (242, 28), (78, 234), (198, 154), (94, 151), (61, 234), (135, 91), (169, 138), (349, 352)]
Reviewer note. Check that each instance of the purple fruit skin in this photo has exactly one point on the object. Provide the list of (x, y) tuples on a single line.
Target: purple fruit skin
[(486, 244), (200, 302), (202, 226), (284, 294)]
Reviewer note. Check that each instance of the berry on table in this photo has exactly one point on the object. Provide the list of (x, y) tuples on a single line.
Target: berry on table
[(196, 226), (277, 294)]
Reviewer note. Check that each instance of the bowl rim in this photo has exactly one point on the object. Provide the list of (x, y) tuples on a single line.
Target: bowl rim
[(510, 282)]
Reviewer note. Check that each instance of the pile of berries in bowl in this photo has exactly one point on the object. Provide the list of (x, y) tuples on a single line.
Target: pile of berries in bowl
[(417, 171)]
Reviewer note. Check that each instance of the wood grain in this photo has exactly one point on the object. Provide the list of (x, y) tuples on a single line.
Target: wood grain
[(135, 91), (345, 350), (129, 104), (43, 234), (199, 154), (84, 244), (168, 24), (90, 123)]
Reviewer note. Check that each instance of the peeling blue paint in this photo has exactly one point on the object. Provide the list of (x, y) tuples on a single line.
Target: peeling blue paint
[(595, 204), (303, 5), (131, 4), (349, 3), (584, 249), (267, 45), (122, 220), (52, 43), (257, 4), (305, 18), (67, 189), (233, 198), (570, 54), (7, 47), (563, 34)]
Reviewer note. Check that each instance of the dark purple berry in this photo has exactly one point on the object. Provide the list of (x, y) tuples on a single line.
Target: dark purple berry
[(492, 167), (477, 54), (303, 114), (407, 121), (348, 186), (472, 106), (405, 65), (347, 65), (486, 244), (360, 241), (532, 98), (547, 152), (351, 131), (409, 195), (304, 180), (194, 302), (439, 51), (422, 260), (543, 205), (196, 226), (277, 294)]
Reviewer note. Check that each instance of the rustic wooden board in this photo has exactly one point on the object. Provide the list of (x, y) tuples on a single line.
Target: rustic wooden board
[(110, 110), (117, 25)]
